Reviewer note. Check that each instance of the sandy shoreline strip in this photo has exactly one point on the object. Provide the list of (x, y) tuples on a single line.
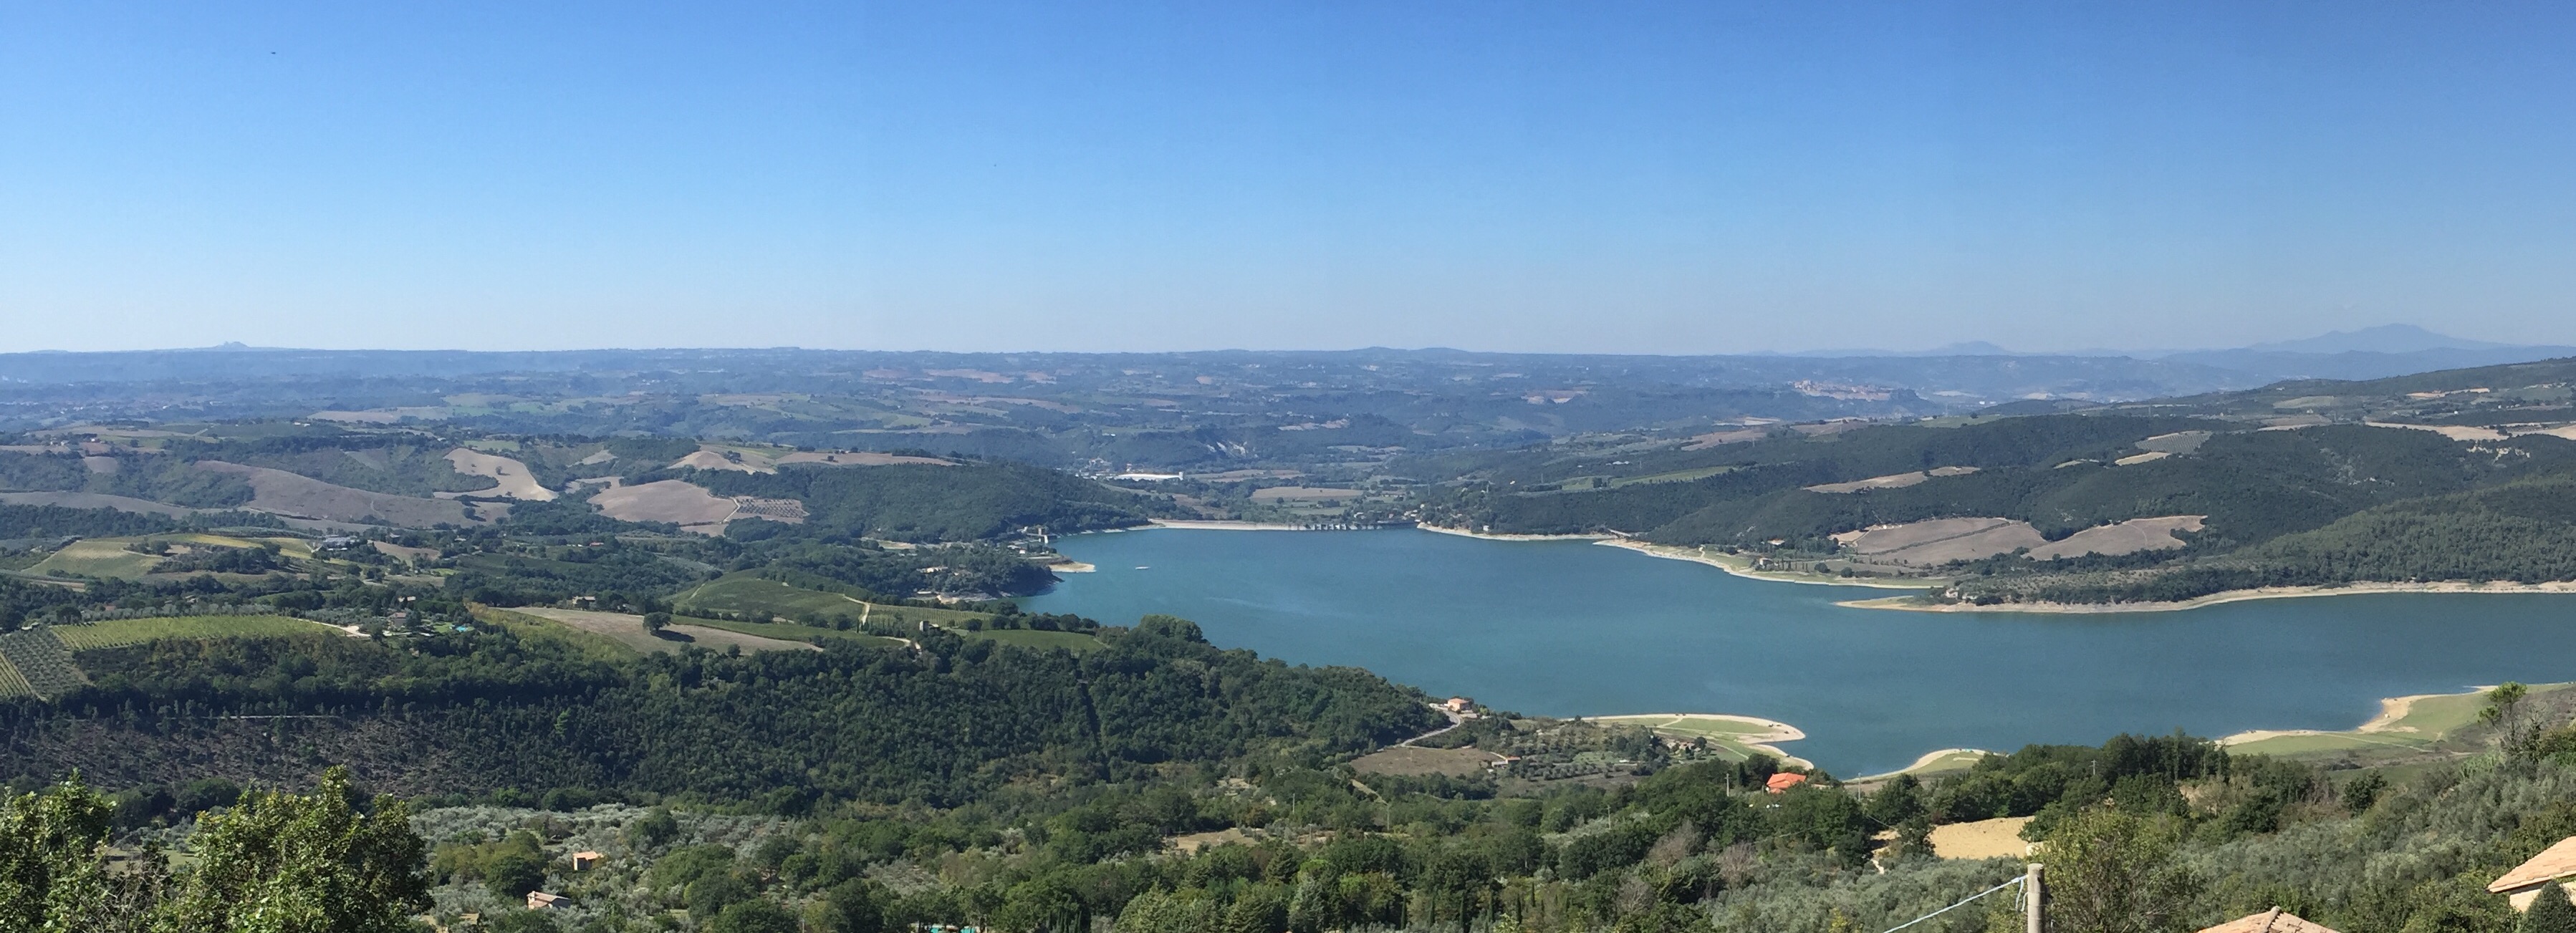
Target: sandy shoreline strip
[(1489, 536), (1214, 525), (1919, 764), (1915, 604), (1743, 567), (1768, 731)]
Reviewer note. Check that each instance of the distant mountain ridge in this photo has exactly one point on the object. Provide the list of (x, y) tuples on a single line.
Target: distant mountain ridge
[(2385, 338)]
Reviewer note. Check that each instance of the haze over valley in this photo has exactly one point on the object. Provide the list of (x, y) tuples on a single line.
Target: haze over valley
[(970, 467)]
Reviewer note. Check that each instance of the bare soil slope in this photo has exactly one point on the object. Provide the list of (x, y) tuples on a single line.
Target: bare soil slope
[(514, 479), (287, 493)]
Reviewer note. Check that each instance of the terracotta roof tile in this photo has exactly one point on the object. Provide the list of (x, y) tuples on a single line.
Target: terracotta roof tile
[(2274, 920), (2557, 861)]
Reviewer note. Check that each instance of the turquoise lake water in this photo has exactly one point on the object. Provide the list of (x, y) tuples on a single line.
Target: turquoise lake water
[(1565, 628)]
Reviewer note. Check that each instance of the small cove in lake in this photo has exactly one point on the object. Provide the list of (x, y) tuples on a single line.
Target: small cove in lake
[(1564, 628)]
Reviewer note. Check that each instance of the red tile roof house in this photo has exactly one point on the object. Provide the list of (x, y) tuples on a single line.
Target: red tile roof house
[(1781, 782), (2521, 885), (2274, 920)]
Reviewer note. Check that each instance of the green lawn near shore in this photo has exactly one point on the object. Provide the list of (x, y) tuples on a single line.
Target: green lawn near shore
[(2439, 723), (745, 594)]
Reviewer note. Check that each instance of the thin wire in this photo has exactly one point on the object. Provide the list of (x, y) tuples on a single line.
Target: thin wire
[(1956, 906)]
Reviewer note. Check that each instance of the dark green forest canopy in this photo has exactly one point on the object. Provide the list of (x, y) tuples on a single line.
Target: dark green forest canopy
[(488, 709), (914, 502), (2319, 505)]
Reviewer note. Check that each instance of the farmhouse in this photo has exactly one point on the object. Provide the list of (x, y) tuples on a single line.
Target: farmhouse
[(1459, 705), (2274, 920), (585, 861), (2522, 884), (540, 900), (1781, 782)]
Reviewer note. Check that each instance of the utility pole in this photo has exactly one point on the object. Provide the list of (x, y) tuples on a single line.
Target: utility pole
[(2031, 897)]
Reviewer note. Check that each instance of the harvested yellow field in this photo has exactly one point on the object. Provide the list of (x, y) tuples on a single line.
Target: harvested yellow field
[(513, 476), (283, 493), (1983, 839), (2129, 537), (676, 501)]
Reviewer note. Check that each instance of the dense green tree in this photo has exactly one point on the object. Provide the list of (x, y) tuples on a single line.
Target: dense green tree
[(752, 916), (51, 878), (2114, 872), (523, 921), (288, 863), (2550, 912), (852, 906), (511, 875)]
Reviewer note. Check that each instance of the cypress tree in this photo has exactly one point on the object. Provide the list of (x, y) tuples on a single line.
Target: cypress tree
[(2550, 912)]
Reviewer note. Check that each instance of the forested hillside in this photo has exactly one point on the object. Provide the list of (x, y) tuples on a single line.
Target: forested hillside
[(935, 503), (510, 707), (1164, 786), (2238, 491)]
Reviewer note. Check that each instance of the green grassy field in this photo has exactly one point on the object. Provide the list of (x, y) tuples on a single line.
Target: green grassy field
[(114, 632), (1075, 642), (742, 593), (108, 558), (1676, 476), (593, 644), (2431, 723), (97, 557)]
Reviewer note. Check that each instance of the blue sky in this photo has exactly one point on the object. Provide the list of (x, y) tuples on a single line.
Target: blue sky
[(1659, 178)]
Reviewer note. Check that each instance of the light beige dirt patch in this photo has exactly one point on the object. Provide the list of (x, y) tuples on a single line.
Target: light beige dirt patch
[(860, 458), (2002, 539), (711, 460), (391, 549), (514, 479), (287, 493), (1737, 436), (2453, 431), (1415, 761), (356, 417), (676, 501), (691, 506), (1884, 539), (2178, 442), (2129, 537), (1892, 481), (1982, 839), (1303, 494), (2135, 459)]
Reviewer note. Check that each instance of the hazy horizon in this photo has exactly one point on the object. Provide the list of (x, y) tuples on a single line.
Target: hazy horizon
[(1656, 178)]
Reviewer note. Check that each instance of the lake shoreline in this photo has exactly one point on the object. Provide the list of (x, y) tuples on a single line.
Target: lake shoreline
[(1664, 638), (1490, 536), (1914, 603), (1743, 567)]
